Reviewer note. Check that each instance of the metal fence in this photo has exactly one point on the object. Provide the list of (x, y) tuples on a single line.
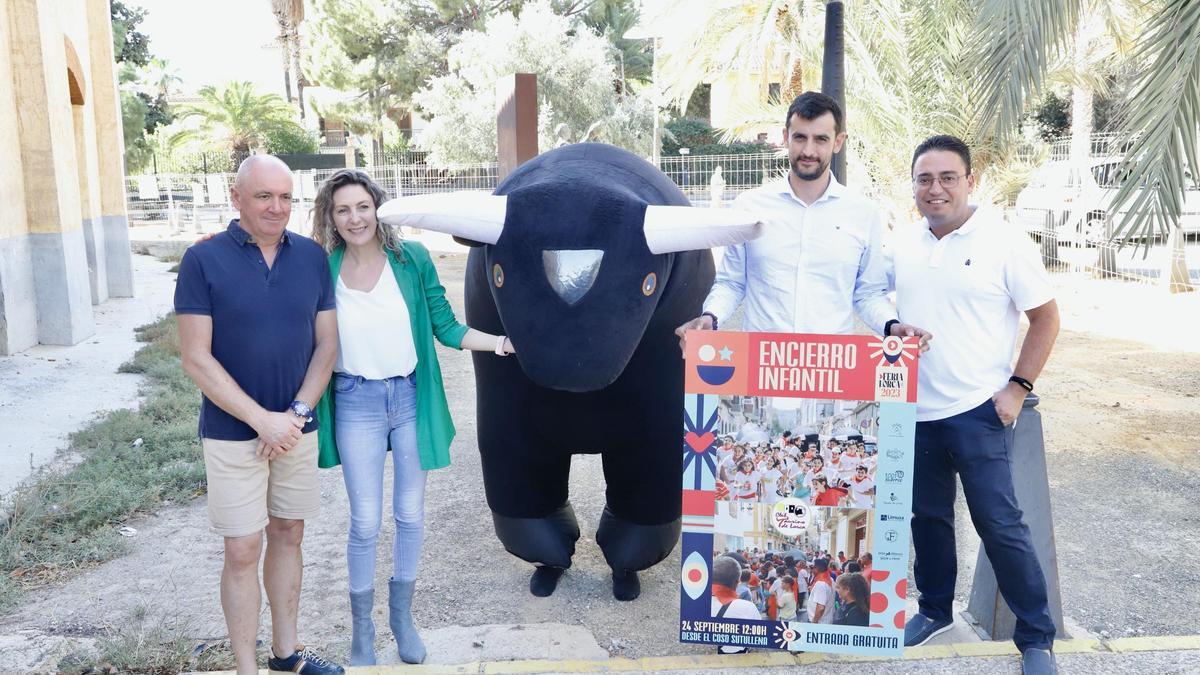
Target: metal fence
[(1082, 244), (1099, 145), (716, 178), (196, 200), (1070, 243)]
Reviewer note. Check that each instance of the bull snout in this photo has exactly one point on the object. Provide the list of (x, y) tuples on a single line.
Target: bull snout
[(572, 273)]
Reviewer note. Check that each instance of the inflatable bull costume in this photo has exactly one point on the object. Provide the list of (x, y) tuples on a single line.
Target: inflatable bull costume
[(588, 258)]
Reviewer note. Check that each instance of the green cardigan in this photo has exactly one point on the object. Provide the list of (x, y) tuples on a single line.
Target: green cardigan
[(431, 315)]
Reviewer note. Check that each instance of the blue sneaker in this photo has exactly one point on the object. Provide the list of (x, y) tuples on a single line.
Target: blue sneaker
[(303, 661), (1038, 662), (921, 628)]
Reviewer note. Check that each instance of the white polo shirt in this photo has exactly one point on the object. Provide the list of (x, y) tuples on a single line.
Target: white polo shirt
[(813, 268), (968, 289)]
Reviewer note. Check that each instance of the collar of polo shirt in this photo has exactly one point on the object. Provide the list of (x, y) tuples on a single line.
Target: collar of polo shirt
[(242, 237)]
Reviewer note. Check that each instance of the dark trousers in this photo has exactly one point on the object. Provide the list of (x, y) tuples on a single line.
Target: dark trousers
[(977, 446)]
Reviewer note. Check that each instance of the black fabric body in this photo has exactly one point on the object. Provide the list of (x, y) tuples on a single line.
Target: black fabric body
[(601, 376)]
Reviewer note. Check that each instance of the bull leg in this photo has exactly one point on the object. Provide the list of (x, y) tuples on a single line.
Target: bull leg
[(548, 542), (640, 524), (629, 547), (526, 485)]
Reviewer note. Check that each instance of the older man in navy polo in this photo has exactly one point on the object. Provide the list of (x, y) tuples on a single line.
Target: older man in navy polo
[(258, 335)]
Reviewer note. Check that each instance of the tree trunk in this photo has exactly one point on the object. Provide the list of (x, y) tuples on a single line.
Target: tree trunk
[(1176, 269), (1106, 258), (1081, 134), (299, 74), (833, 73), (285, 51)]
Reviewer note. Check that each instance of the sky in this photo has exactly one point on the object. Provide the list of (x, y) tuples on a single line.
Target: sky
[(215, 42)]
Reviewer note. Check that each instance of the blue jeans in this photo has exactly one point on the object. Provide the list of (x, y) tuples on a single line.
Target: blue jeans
[(370, 416), (977, 446)]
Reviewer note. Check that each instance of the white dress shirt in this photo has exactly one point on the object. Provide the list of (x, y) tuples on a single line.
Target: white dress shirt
[(968, 289), (814, 266)]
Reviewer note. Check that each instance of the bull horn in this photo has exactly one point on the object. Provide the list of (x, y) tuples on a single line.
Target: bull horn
[(670, 229), (473, 215)]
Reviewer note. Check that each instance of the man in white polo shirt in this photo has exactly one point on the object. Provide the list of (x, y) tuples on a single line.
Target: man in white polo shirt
[(819, 260), (964, 274)]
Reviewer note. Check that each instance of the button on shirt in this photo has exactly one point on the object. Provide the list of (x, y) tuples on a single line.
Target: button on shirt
[(814, 266), (968, 289), (263, 318)]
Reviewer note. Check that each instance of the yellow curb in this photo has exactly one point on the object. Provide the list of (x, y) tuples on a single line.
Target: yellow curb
[(1163, 643), (769, 659), (1006, 648), (1080, 646)]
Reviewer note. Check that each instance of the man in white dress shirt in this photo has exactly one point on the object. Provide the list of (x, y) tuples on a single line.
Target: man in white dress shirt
[(819, 261)]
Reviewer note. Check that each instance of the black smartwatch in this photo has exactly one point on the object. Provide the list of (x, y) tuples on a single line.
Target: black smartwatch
[(887, 327), (301, 409)]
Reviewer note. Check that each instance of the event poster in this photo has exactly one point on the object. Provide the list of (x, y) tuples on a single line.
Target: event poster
[(797, 465)]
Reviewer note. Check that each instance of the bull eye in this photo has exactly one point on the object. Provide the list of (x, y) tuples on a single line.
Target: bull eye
[(649, 284), (498, 275)]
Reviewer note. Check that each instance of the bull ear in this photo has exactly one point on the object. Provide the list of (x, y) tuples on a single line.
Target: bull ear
[(669, 229), (475, 216)]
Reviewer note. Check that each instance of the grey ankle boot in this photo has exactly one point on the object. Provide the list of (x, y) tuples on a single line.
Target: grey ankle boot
[(408, 642), (362, 641)]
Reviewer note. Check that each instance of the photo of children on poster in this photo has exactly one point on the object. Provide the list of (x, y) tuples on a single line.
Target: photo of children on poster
[(796, 491)]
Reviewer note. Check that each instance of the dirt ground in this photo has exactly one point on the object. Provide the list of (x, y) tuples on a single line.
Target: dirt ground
[(1122, 424)]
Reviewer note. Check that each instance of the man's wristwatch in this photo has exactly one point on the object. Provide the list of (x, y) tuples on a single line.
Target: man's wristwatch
[(301, 409), (887, 327)]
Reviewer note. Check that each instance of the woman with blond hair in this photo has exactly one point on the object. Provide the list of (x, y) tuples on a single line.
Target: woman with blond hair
[(386, 393)]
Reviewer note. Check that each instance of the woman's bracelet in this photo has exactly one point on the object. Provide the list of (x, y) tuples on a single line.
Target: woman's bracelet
[(500, 345)]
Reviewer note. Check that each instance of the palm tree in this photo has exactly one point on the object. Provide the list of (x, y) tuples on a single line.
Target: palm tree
[(900, 59), (288, 15), (236, 116), (1163, 115)]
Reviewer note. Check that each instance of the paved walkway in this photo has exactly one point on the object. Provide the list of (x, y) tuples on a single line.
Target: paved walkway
[(1166, 655), (48, 392)]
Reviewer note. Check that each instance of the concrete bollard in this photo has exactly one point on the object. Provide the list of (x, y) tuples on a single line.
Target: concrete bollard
[(988, 611)]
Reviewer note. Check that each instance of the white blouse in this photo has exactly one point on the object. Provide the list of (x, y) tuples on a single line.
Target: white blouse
[(374, 332)]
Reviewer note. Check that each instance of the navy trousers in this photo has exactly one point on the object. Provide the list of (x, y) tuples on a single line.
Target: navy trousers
[(976, 446)]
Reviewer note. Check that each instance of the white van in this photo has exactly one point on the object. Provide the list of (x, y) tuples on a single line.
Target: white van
[(1078, 198)]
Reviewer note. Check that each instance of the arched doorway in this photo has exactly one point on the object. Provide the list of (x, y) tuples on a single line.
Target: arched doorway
[(92, 233)]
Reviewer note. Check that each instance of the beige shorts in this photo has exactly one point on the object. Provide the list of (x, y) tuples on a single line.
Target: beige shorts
[(243, 489)]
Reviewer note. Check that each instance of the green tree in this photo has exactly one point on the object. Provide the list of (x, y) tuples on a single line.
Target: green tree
[(383, 51), (1162, 114), (1052, 117), (237, 117), (143, 83), (576, 97), (129, 44), (612, 19)]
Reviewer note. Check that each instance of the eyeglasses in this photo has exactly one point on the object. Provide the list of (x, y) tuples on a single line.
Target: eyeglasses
[(947, 180)]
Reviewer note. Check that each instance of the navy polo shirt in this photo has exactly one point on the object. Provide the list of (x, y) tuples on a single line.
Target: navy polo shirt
[(264, 319)]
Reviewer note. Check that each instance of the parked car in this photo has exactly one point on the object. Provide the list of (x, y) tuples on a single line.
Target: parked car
[(1078, 197)]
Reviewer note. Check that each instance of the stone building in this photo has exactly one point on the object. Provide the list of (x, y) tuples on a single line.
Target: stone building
[(64, 235)]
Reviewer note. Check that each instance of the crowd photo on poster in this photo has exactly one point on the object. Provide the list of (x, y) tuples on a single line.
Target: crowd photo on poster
[(819, 451), (823, 454)]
